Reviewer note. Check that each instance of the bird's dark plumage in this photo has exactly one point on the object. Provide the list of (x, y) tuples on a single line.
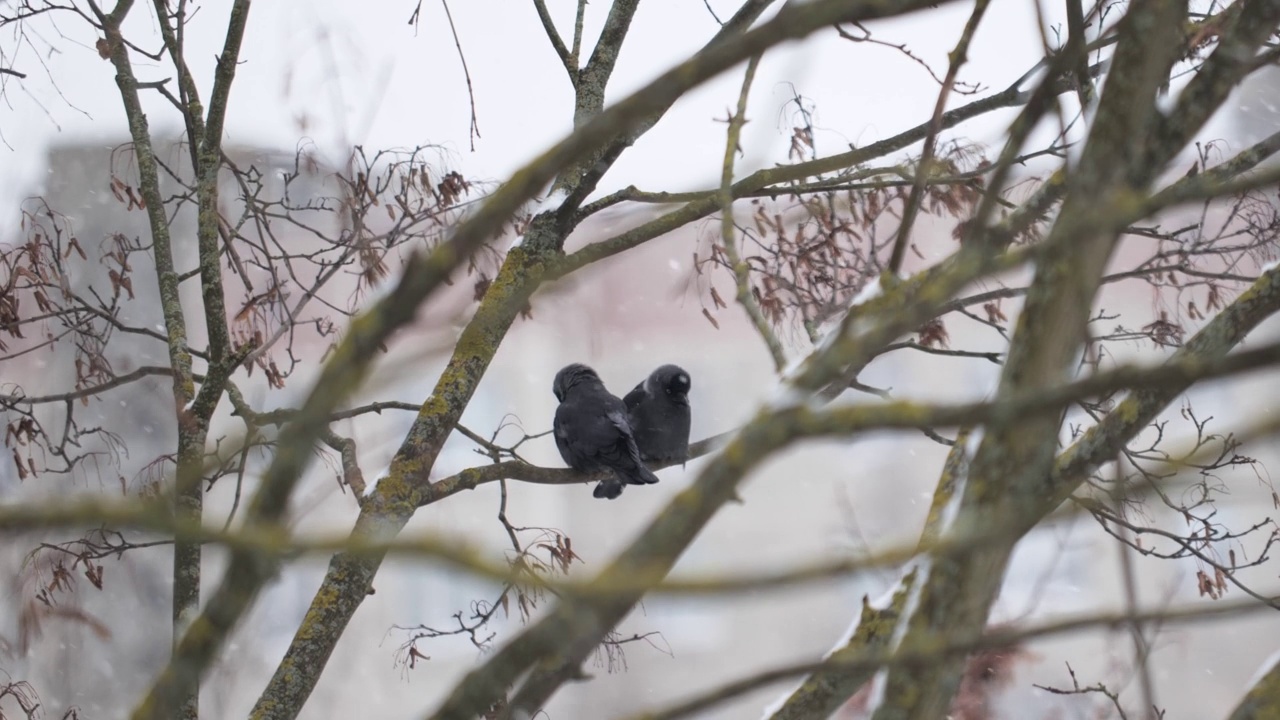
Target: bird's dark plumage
[(658, 409), (593, 433)]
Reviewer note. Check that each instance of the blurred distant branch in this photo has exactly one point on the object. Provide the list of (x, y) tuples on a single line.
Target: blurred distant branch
[(1262, 699), (280, 544), (904, 415), (906, 658)]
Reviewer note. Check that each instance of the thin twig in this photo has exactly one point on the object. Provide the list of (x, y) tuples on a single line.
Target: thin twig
[(740, 269), (474, 130), (1141, 647), (925, 168)]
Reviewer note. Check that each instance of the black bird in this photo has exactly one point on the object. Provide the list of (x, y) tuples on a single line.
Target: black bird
[(658, 409), (592, 431)]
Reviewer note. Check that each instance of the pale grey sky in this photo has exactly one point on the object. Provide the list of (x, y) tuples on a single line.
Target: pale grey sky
[(358, 73)]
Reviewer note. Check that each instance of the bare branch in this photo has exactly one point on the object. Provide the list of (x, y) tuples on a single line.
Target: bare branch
[(549, 26)]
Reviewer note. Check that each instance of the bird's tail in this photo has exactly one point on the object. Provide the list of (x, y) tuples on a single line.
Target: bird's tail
[(609, 488), (642, 475)]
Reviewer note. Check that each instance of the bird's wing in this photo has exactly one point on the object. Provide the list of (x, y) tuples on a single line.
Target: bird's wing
[(583, 425), (628, 453), (635, 397), (624, 443), (562, 433), (626, 440)]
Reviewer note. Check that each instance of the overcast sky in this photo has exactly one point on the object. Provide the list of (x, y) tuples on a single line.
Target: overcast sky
[(343, 73)]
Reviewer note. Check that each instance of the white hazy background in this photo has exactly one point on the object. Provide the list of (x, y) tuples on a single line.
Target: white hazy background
[(342, 73)]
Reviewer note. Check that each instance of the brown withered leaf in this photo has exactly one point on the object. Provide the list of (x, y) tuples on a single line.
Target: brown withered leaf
[(481, 287), (716, 299), (103, 48), (960, 230), (243, 314), (415, 656), (1215, 298), (994, 314), (933, 333), (94, 573), (1163, 332), (74, 244), (707, 314)]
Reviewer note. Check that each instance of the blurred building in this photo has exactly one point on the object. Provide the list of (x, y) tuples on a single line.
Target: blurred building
[(628, 314)]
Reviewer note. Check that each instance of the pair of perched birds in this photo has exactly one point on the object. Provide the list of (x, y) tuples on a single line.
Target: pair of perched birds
[(596, 431)]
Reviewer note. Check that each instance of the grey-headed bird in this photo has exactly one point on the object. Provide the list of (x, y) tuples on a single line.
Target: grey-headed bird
[(658, 409)]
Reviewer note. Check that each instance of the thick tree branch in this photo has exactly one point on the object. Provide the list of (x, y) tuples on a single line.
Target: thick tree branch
[(594, 77), (1263, 699), (205, 139), (191, 431)]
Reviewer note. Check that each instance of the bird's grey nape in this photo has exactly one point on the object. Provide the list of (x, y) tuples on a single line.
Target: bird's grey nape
[(668, 379), (569, 376)]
